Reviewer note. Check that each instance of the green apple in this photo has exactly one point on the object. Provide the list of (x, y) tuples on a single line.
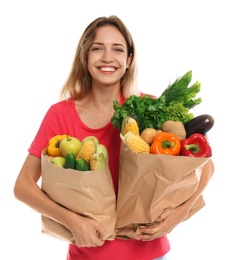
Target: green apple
[(70, 145), (91, 137), (58, 160), (100, 148)]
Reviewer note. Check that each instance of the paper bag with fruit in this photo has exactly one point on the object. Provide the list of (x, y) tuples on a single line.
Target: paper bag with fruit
[(80, 180), (163, 152)]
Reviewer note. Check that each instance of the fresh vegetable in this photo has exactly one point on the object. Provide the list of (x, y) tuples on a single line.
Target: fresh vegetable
[(166, 143), (100, 148), (135, 143), (82, 165), (181, 91), (75, 154), (92, 137), (70, 161), (158, 131), (173, 104), (174, 127), (87, 150), (129, 124), (139, 121), (196, 145), (200, 124), (148, 134), (53, 148), (97, 162)]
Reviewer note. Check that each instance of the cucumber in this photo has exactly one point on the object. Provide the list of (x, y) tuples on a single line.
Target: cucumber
[(82, 165), (70, 161), (200, 124), (139, 121)]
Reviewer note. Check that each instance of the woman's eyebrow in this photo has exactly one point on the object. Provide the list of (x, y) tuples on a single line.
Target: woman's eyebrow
[(114, 44)]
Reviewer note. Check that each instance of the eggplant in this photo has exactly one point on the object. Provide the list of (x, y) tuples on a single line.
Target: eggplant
[(200, 124)]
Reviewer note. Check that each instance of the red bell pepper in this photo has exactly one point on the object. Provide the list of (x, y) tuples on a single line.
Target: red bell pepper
[(196, 146)]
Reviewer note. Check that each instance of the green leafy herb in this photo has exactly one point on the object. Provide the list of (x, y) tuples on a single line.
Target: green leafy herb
[(173, 104)]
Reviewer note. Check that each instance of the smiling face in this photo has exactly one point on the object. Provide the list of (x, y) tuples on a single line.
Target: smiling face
[(108, 56)]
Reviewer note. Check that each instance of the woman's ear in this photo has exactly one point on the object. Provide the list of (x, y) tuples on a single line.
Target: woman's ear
[(129, 60)]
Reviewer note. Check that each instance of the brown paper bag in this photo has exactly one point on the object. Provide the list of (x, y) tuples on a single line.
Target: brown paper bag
[(89, 193), (150, 184)]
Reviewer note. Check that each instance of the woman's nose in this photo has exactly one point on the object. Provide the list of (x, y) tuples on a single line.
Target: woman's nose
[(107, 56)]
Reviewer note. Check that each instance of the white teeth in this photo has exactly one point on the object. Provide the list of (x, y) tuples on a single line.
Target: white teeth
[(107, 69)]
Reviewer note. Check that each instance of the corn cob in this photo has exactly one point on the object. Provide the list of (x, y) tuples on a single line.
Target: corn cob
[(135, 143), (100, 148), (92, 137), (87, 150), (129, 124), (97, 161)]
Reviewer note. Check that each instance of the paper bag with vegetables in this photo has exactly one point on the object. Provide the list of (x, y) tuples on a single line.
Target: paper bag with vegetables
[(154, 176), (86, 191)]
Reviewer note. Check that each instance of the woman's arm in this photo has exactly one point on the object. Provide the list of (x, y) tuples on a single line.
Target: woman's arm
[(26, 189), (171, 218)]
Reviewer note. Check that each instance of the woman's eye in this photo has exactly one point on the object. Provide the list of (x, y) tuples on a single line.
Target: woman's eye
[(119, 50), (96, 48)]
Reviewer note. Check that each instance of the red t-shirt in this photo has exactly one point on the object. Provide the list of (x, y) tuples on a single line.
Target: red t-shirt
[(62, 118)]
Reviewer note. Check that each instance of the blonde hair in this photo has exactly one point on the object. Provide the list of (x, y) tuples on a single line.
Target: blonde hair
[(78, 83)]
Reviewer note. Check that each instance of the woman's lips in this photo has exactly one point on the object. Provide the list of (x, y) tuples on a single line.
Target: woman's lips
[(107, 69)]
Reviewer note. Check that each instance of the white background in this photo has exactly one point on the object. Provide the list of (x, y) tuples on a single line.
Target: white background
[(37, 45)]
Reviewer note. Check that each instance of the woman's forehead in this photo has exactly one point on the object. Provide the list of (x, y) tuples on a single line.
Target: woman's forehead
[(109, 34)]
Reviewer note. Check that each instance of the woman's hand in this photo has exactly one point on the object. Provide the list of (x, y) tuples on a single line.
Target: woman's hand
[(169, 219), (164, 224), (87, 232)]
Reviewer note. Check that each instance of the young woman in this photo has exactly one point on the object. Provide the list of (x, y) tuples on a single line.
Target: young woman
[(104, 69)]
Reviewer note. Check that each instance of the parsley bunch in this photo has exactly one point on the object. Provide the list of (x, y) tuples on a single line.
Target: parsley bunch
[(173, 104)]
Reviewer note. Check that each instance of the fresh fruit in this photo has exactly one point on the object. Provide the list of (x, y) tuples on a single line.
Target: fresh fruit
[(70, 145), (77, 155), (82, 165), (49, 158), (58, 160)]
